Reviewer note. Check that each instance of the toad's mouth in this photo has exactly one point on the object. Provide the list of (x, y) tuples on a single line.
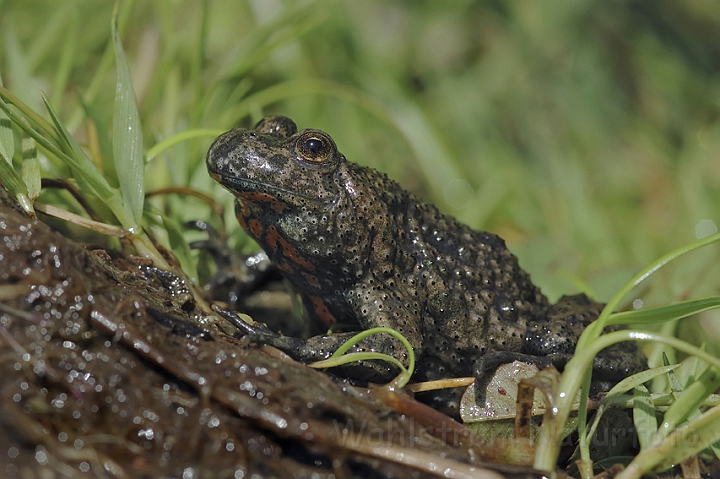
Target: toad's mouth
[(241, 186)]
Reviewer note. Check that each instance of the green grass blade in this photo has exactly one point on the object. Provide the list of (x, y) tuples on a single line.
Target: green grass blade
[(644, 416), (333, 362), (75, 157), (44, 142), (403, 379), (36, 121), (67, 143), (30, 167), (673, 381), (666, 313), (127, 134), (7, 138), (11, 179), (638, 379)]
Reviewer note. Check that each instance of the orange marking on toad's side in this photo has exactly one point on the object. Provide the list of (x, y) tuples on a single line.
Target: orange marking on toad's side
[(275, 204), (255, 228), (274, 238), (241, 220), (321, 310), (245, 209), (242, 214), (256, 197), (311, 279), (278, 206), (291, 254), (283, 266)]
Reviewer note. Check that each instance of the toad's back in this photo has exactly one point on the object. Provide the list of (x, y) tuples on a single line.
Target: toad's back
[(465, 285)]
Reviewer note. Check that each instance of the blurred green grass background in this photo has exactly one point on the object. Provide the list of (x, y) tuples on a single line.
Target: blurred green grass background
[(586, 133)]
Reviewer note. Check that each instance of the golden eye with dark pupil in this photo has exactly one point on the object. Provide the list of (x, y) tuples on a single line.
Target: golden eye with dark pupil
[(314, 149)]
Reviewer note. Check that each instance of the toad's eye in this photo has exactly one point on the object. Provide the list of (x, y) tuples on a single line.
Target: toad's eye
[(314, 147)]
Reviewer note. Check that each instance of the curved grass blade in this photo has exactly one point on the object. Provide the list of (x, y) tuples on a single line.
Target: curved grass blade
[(665, 313), (11, 179), (355, 357), (339, 357), (638, 379), (127, 134)]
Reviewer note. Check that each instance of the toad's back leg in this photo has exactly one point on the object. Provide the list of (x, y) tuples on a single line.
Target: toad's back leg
[(557, 333)]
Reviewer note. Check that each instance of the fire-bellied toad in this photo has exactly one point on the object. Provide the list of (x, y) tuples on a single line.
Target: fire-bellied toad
[(359, 247)]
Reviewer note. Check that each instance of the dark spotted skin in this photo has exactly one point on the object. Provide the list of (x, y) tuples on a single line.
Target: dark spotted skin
[(360, 248)]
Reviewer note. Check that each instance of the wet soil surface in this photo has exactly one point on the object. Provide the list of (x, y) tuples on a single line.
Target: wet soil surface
[(111, 368)]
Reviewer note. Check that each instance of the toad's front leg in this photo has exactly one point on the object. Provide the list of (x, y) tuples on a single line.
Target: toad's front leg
[(381, 309)]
